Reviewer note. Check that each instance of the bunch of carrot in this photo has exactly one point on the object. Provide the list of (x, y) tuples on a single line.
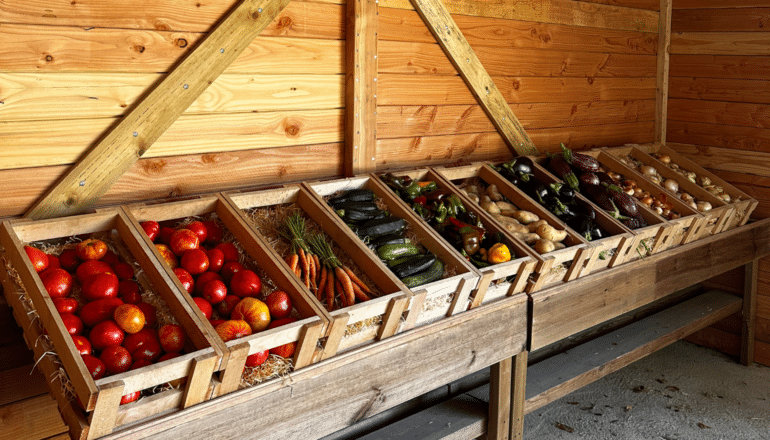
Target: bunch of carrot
[(319, 269)]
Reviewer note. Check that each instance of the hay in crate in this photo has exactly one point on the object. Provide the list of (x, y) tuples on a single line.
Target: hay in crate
[(275, 366)]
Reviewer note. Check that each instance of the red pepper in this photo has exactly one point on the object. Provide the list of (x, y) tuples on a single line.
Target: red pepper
[(421, 200)]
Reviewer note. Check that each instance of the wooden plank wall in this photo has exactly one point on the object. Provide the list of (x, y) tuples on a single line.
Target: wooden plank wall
[(719, 116)]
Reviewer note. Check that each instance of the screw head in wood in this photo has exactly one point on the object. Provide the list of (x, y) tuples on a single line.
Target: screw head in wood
[(185, 86), (222, 50), (82, 183), (136, 134)]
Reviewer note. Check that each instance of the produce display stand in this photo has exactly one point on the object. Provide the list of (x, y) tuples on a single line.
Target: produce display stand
[(101, 398)]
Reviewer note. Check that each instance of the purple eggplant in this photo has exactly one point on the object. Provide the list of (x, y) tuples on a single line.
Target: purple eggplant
[(581, 162), (562, 169)]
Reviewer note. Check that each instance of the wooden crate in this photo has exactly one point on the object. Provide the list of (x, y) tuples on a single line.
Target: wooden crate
[(486, 290), (360, 323), (305, 331), (715, 219), (743, 205), (674, 232), (101, 398), (606, 252)]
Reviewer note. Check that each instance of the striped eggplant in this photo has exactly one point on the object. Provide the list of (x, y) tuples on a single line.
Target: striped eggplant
[(581, 162)]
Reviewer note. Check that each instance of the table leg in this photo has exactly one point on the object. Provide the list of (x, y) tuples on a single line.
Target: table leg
[(499, 400), (518, 396), (749, 312)]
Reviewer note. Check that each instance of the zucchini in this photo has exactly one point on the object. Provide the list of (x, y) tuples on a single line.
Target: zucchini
[(414, 265), (353, 195), (388, 239), (390, 251), (434, 272), (381, 226), (355, 216), (358, 206)]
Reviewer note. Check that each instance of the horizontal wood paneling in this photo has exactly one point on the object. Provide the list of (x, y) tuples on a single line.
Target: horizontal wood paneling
[(65, 140), (700, 4), (718, 89), (652, 5), (723, 136), (411, 57), (184, 175), (569, 12), (737, 177), (400, 89), (721, 66), (717, 112), (405, 152), (405, 25), (763, 330), (64, 49), (33, 418), (300, 18), (61, 95), (721, 20), (402, 121), (749, 162), (721, 340), (720, 43)]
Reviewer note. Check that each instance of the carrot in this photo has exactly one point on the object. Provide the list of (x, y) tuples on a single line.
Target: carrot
[(310, 269), (330, 291), (302, 259), (347, 285), (314, 268), (343, 296), (292, 260), (360, 293), (322, 283), (356, 280)]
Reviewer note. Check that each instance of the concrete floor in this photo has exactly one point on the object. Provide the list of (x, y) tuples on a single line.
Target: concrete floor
[(683, 392)]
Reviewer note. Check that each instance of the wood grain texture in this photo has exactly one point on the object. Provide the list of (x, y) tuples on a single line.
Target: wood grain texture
[(652, 5), (720, 112), (721, 66), (66, 141), (433, 120), (300, 18), (406, 25), (116, 152), (748, 324), (58, 96), (721, 43), (21, 383), (33, 418), (481, 85), (663, 67), (177, 176), (361, 85), (66, 49), (550, 11), (722, 136), (433, 150), (727, 19), (718, 89), (725, 159), (445, 90), (719, 4), (426, 58)]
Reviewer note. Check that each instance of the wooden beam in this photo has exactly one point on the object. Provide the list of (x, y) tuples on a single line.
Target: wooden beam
[(721, 43), (499, 418), (748, 330), (451, 39), (661, 96), (361, 96), (93, 175), (518, 395)]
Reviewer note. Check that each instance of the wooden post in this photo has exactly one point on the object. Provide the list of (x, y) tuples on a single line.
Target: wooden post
[(661, 96), (518, 395), (498, 425), (749, 312), (462, 56), (95, 173), (361, 87)]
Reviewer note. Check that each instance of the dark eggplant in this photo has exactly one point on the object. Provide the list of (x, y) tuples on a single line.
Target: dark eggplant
[(523, 165), (589, 179), (562, 170), (582, 162), (599, 195), (605, 178)]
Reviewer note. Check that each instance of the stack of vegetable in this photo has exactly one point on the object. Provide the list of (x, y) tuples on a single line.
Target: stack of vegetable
[(384, 234), (703, 181), (557, 198), (597, 186), (446, 213), (525, 225)]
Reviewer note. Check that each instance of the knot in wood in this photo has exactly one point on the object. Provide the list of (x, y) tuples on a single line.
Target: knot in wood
[(292, 129), (160, 26), (284, 22), (181, 42), (590, 80), (71, 201), (48, 58), (138, 48), (255, 15)]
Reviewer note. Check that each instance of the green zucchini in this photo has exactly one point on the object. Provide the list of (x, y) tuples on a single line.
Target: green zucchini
[(356, 216), (391, 251), (388, 239), (412, 266), (381, 226), (434, 272), (353, 195), (358, 206)]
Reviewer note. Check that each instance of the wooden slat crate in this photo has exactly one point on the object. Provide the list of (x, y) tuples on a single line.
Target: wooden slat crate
[(715, 219), (519, 268), (606, 252), (305, 332), (743, 205), (689, 227), (357, 324), (101, 398)]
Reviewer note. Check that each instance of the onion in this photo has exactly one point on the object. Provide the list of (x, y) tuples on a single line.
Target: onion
[(703, 206), (638, 193), (648, 170), (647, 200), (671, 185), (628, 190), (664, 158), (687, 197), (629, 183)]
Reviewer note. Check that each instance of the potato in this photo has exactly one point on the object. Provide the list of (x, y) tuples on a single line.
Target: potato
[(525, 217), (543, 246), (490, 207), (505, 219), (516, 229), (550, 233), (494, 193), (533, 226), (558, 246), (506, 208), (472, 189), (485, 199), (529, 238)]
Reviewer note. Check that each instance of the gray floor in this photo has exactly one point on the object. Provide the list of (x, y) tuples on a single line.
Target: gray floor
[(683, 392)]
